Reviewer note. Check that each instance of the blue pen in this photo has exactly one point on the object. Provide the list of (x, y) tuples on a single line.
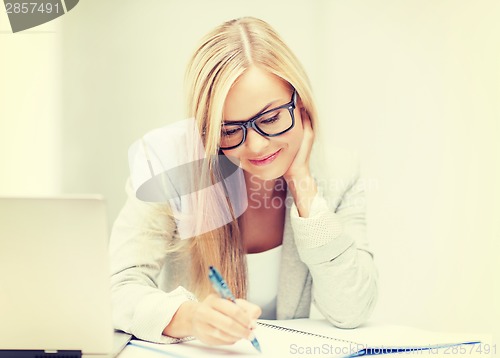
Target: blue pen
[(221, 287)]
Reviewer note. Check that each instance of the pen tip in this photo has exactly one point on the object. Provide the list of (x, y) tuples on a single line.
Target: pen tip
[(256, 344)]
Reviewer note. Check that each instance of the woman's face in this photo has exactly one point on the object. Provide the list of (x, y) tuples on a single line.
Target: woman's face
[(254, 92)]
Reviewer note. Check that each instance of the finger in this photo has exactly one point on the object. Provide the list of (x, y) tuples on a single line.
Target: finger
[(208, 315), (213, 336), (242, 321), (230, 318), (215, 328), (217, 336), (252, 309)]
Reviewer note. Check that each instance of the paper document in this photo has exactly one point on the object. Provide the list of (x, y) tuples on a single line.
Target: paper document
[(312, 338)]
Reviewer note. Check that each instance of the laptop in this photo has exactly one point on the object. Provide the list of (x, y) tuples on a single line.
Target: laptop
[(54, 279)]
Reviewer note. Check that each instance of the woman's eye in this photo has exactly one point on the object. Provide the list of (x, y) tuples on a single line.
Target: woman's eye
[(270, 119), (230, 132)]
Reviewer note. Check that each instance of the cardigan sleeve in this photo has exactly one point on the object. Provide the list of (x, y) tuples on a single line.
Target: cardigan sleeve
[(138, 246), (332, 243)]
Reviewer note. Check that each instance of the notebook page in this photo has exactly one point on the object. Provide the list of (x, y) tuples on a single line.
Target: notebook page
[(274, 343), (375, 335), (282, 343)]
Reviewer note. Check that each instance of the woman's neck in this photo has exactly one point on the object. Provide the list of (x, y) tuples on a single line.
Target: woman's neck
[(262, 192), (262, 223)]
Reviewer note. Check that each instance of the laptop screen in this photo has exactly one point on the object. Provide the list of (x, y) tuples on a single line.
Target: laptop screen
[(54, 282)]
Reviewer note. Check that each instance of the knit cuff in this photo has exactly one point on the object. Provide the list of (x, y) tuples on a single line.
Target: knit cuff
[(155, 312), (321, 227)]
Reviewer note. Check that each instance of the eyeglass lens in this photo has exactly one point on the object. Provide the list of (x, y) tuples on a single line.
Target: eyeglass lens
[(271, 123)]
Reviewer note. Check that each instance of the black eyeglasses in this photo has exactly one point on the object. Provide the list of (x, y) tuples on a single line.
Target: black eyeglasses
[(271, 123)]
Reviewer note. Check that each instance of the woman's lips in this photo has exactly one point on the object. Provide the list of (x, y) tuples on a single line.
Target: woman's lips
[(265, 160)]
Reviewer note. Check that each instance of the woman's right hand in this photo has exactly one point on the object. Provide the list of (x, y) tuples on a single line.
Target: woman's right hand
[(215, 320)]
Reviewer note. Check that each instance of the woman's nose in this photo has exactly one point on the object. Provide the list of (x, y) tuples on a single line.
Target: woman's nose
[(255, 142)]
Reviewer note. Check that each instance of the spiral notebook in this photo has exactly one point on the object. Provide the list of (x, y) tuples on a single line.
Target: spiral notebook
[(304, 338)]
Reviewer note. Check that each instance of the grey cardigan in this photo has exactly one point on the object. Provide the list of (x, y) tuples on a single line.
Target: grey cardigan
[(325, 259)]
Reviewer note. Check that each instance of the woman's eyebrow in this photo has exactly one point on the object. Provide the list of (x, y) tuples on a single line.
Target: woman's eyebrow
[(265, 108)]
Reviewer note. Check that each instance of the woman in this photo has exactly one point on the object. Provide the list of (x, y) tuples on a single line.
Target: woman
[(301, 239)]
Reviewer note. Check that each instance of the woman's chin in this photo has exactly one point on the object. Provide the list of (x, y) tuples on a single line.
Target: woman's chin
[(264, 174)]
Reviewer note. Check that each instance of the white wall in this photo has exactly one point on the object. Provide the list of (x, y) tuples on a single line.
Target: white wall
[(123, 75), (414, 85), (30, 109)]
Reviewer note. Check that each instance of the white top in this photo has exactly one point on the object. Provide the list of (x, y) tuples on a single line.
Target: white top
[(263, 276)]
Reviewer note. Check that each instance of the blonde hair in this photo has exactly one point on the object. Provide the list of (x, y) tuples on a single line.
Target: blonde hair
[(224, 55)]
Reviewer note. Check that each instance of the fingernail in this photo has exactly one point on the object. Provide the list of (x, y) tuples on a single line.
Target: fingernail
[(253, 324)]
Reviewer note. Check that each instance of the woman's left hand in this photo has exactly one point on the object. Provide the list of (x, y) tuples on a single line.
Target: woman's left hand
[(299, 169), (298, 176)]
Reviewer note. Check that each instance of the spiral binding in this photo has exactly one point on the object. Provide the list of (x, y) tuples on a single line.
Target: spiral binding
[(292, 330)]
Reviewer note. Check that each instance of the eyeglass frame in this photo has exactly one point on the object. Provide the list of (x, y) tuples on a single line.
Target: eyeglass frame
[(250, 123)]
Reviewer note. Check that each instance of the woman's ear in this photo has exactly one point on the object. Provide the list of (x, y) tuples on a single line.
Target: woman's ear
[(300, 106), (304, 115), (303, 112)]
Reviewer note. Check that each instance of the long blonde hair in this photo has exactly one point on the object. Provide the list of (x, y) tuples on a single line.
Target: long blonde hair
[(223, 55)]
